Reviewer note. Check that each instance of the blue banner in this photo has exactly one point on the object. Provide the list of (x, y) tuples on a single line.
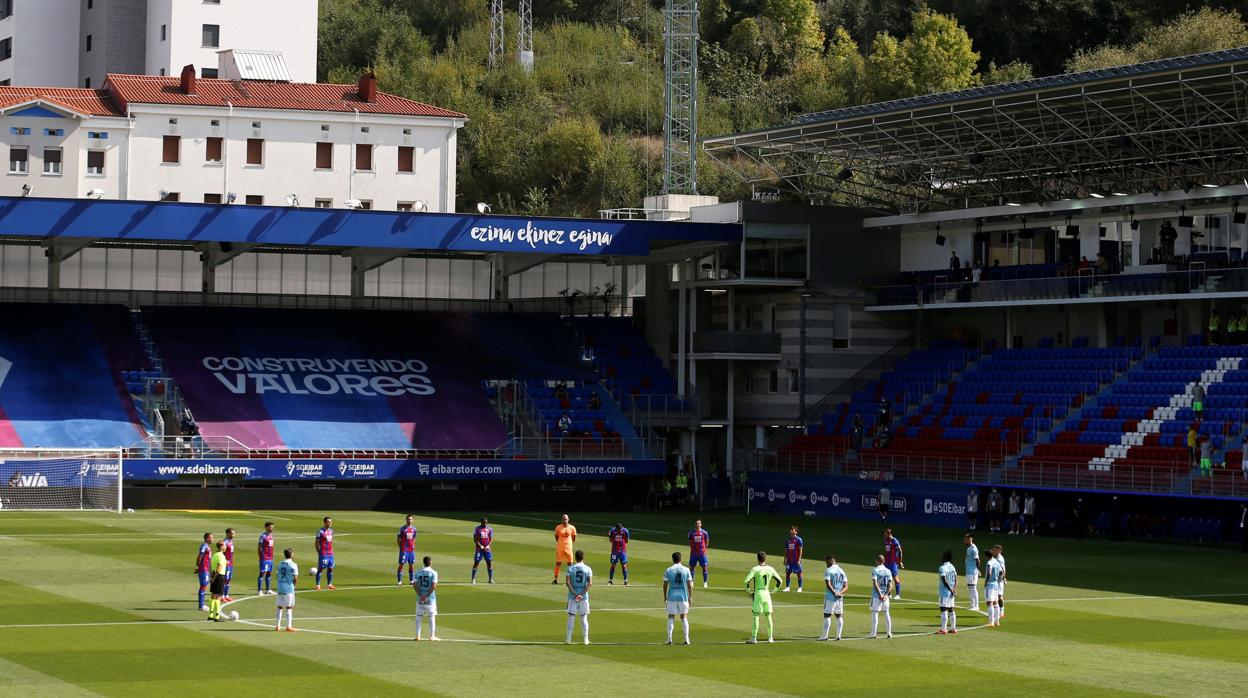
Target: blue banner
[(390, 230), (382, 469), (913, 501), (85, 471)]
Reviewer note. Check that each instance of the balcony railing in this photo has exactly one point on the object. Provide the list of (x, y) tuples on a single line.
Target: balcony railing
[(572, 448), (747, 342), (1085, 284)]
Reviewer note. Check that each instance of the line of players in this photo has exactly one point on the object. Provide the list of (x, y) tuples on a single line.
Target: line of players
[(216, 573)]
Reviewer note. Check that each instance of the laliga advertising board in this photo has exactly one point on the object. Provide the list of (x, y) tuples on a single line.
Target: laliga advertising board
[(844, 497)]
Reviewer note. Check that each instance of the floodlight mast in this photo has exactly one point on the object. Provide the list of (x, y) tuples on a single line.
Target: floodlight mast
[(680, 92), (497, 40)]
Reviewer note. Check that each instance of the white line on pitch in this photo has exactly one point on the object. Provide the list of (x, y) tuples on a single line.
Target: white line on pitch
[(589, 523)]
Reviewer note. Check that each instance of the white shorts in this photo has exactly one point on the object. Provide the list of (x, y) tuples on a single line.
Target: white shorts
[(879, 605), (972, 578), (834, 606), (285, 600), (1003, 587), (427, 609), (578, 608), (677, 608), (944, 601), (992, 593)]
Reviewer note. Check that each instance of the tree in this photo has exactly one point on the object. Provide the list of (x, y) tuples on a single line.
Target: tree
[(886, 70), (1189, 33), (1014, 71), (848, 67), (747, 42), (567, 151), (797, 24), (938, 54)]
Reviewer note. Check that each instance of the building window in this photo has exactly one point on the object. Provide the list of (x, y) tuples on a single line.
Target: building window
[(173, 122), (746, 378), (17, 161), (323, 203), (364, 129), (405, 206), (6, 8), (5, 82), (254, 200), (95, 162), (99, 135), (363, 157), (212, 149), (773, 381), (52, 161), (164, 32), (212, 36), (86, 82), (90, 4), (212, 2), (407, 156), (324, 156), (255, 151), (171, 153), (212, 198), (407, 132), (210, 73), (366, 204), (325, 128), (88, 42), (215, 123), (20, 131), (54, 132), (6, 48), (793, 381), (841, 315), (171, 196), (255, 124), (161, 72)]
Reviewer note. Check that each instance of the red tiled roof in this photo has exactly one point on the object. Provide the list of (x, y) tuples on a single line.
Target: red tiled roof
[(76, 99), (252, 94)]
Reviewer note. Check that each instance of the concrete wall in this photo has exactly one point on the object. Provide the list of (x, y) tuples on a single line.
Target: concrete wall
[(45, 43), (288, 26), (118, 31)]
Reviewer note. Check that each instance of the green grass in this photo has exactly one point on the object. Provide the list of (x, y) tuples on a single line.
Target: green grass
[(95, 603)]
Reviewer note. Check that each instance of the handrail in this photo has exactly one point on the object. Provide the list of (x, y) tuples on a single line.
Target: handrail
[(202, 447), (845, 391)]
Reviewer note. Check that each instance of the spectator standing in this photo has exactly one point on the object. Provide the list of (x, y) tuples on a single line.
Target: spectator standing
[(682, 486), (565, 425), (1191, 445), (972, 509), (955, 265), (1016, 513), (995, 503), (1198, 399), (595, 403), (1215, 327), (1029, 514), (1243, 527), (858, 430), (1206, 456), (884, 503), (977, 273)]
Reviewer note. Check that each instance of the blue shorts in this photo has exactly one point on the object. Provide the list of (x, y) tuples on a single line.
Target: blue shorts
[(204, 578), (326, 562), (793, 567), (694, 560), (620, 558), (229, 573), (407, 558), (894, 568), (487, 555), (266, 566)]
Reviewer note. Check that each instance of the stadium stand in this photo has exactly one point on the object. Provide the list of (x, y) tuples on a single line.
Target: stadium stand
[(66, 372), (627, 364)]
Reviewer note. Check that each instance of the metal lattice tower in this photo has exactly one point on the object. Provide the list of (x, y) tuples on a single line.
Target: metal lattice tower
[(496, 33), (524, 51), (680, 93)]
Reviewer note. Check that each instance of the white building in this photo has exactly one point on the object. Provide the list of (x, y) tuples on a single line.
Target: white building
[(68, 43), (195, 140)]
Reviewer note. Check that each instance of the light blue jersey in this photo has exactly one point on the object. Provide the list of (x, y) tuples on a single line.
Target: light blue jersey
[(425, 582), (972, 560), (946, 584), (881, 577), (677, 577), (994, 571), (579, 576), (835, 576), (286, 573)]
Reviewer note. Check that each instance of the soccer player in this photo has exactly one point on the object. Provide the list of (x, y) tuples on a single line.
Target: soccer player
[(407, 551), (893, 560), (203, 568), (325, 553), (578, 581), (699, 541), (1005, 577), (287, 577), (946, 592), (972, 570), (264, 552), (619, 552), (482, 539), (565, 536), (678, 593), (217, 585), (993, 573), (793, 558), (881, 580), (836, 584), (426, 586), (758, 584), (229, 562)]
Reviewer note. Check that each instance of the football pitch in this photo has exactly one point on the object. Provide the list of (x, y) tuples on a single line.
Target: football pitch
[(103, 603)]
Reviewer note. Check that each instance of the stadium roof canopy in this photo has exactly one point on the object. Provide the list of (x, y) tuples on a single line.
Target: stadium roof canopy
[(1167, 125)]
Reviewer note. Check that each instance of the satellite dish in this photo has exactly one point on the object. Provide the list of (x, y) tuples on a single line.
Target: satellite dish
[(355, 204), (292, 200), (420, 206), (483, 207)]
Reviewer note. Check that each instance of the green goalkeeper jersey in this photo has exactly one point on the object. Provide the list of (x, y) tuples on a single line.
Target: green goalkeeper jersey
[(759, 581)]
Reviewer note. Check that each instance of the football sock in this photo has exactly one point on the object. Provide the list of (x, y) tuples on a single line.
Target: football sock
[(411, 575), (398, 576), (799, 580), (670, 624), (944, 620), (705, 574), (279, 617), (268, 580), (953, 619), (201, 596), (318, 576), (259, 582), (474, 574), (840, 623), (227, 588), (490, 571), (433, 626), (754, 631), (571, 621), (611, 574), (329, 576), (585, 628), (769, 627), (787, 577), (625, 570), (827, 625), (875, 623), (898, 590), (418, 627), (684, 622), (556, 570), (888, 622)]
